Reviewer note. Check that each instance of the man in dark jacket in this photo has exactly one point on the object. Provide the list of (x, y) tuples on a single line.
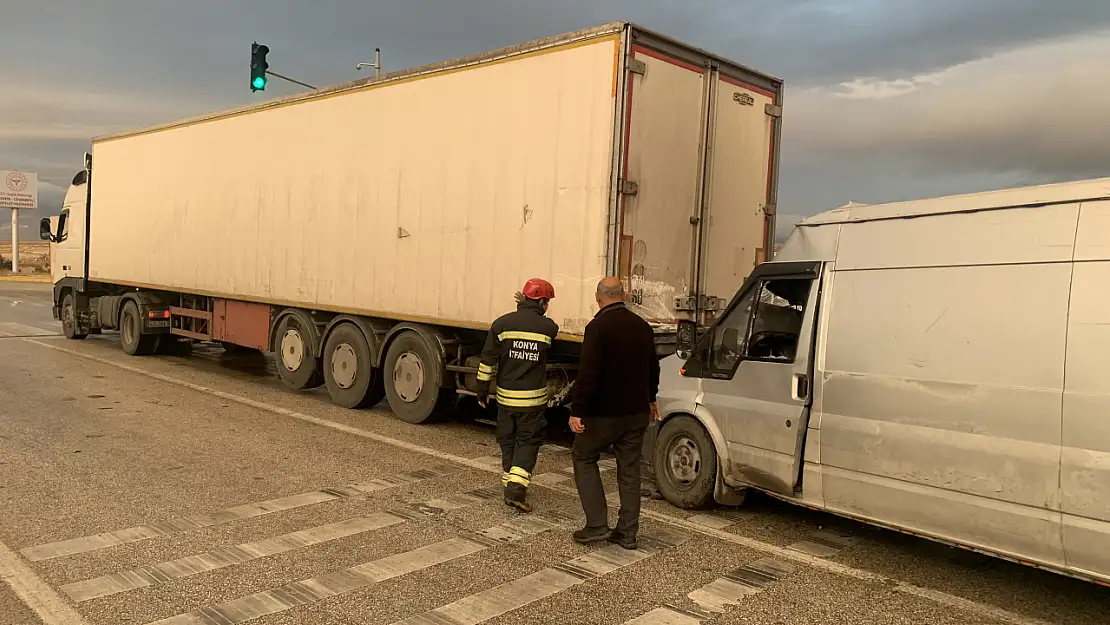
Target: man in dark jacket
[(516, 351), (612, 403)]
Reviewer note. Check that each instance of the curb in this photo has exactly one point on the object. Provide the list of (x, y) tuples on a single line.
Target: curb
[(35, 279)]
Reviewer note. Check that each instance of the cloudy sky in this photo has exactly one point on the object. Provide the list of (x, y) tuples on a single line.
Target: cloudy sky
[(885, 100)]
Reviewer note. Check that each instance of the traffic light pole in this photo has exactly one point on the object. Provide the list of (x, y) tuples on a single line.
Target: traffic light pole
[(296, 82)]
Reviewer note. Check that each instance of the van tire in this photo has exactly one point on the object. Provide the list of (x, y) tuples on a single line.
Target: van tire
[(414, 382), (132, 339), (685, 463)]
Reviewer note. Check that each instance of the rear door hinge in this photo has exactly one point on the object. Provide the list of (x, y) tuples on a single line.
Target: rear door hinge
[(628, 187), (774, 110), (769, 209), (635, 65)]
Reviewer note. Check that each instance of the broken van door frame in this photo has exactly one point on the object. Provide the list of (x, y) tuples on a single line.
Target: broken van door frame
[(699, 365)]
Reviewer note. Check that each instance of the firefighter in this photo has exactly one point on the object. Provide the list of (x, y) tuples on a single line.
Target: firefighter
[(516, 351)]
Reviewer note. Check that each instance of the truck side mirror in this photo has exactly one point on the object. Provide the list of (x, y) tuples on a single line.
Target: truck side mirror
[(686, 338), (44, 229)]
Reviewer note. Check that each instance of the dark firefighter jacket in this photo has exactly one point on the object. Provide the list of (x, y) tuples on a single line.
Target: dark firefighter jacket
[(516, 351)]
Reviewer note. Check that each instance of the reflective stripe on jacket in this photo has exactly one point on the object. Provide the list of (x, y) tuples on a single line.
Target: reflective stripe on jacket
[(516, 352)]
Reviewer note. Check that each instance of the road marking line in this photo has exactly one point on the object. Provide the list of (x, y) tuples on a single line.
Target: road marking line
[(750, 579), (720, 519), (360, 576), (140, 533), (12, 329), (825, 543), (34, 592), (666, 616), (225, 557), (750, 543), (715, 597), (493, 602)]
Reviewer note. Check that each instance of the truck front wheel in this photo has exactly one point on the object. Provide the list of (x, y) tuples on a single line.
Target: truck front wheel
[(297, 364), (132, 339), (413, 381), (68, 314), (352, 379)]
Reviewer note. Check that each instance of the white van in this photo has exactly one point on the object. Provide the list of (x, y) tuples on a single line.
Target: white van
[(941, 367)]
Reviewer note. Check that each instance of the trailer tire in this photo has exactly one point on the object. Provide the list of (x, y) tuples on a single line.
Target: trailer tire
[(132, 339), (414, 381), (295, 346), (685, 463), (349, 372), (68, 316)]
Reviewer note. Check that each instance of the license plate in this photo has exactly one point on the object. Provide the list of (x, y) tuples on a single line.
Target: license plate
[(158, 324)]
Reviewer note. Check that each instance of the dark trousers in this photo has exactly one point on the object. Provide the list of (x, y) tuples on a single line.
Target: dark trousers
[(520, 436), (626, 435), (648, 461)]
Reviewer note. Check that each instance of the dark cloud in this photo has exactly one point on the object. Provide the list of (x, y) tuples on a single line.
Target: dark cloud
[(1038, 114), (103, 65)]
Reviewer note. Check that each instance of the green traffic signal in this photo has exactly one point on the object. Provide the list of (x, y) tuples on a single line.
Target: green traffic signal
[(259, 66)]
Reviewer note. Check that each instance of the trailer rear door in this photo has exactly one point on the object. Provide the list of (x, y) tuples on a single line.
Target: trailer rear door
[(696, 185), (664, 144)]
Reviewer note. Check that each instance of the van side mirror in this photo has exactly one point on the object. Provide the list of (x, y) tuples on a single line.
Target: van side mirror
[(44, 229), (686, 338)]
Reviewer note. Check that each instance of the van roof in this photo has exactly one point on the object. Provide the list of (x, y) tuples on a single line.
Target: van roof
[(1040, 195)]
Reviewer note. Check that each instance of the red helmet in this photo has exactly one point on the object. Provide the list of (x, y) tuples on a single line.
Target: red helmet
[(538, 289)]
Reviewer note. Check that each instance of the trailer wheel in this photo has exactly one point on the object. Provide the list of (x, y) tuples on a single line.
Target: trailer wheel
[(351, 378), (685, 463), (134, 342), (297, 364), (413, 382), (69, 317)]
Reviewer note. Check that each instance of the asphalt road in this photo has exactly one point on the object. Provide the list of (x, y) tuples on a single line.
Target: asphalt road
[(194, 489)]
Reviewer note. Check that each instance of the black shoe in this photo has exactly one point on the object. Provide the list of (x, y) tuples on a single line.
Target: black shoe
[(516, 496), (523, 506), (588, 535), (628, 542)]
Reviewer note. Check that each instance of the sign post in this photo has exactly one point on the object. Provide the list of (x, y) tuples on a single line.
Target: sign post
[(19, 190)]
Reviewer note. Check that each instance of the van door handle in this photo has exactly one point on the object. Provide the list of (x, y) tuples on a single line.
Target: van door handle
[(801, 386)]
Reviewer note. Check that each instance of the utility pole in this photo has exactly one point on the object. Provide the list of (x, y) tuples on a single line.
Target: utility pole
[(15, 241), (377, 64)]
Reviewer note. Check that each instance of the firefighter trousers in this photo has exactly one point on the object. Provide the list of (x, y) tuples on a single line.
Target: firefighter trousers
[(520, 435)]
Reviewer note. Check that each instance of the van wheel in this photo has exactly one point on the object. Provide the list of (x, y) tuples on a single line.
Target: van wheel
[(69, 317), (685, 463), (297, 364), (413, 381), (132, 339), (351, 378)]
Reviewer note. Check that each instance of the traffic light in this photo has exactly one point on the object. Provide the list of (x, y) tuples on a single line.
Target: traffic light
[(259, 66)]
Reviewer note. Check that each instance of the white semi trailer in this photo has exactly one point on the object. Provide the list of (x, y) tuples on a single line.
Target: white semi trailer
[(369, 233)]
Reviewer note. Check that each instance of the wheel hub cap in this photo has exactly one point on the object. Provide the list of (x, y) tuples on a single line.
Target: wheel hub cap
[(292, 350), (684, 459), (344, 366), (408, 377)]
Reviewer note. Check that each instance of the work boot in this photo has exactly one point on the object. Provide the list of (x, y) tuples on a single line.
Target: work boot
[(628, 542), (517, 497), (588, 535)]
